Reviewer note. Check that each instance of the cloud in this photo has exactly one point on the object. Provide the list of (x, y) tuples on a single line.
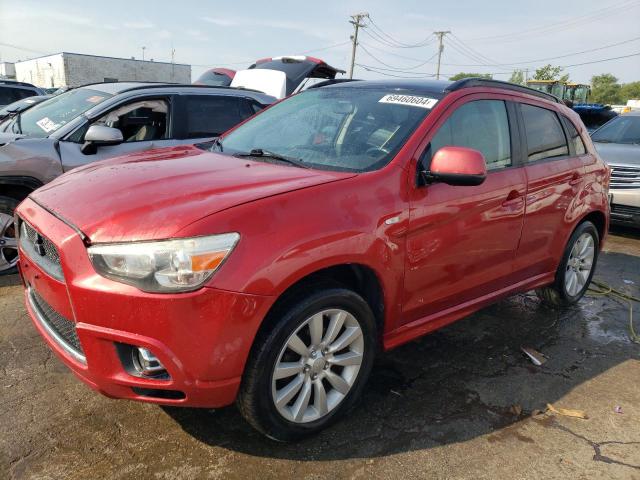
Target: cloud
[(139, 25), (221, 22)]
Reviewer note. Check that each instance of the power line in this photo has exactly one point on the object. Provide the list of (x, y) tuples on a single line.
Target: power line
[(397, 68), (398, 44), (564, 24)]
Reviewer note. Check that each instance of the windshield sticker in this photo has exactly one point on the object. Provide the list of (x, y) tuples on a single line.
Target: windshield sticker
[(47, 125), (413, 101), (94, 99)]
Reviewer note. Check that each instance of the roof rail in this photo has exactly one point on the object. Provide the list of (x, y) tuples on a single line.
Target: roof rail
[(485, 82), (8, 81), (190, 85), (333, 81)]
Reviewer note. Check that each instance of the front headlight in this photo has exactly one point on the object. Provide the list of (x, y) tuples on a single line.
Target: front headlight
[(178, 265)]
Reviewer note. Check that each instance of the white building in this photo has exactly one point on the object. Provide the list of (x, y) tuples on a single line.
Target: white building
[(7, 70), (74, 69)]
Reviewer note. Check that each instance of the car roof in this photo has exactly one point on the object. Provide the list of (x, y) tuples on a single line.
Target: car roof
[(115, 88), (435, 88), (632, 113), (440, 88)]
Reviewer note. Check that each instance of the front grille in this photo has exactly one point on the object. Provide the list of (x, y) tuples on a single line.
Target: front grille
[(62, 329), (625, 177), (40, 249)]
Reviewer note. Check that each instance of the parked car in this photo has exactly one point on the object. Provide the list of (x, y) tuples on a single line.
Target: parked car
[(618, 143), (283, 76), (20, 106), (216, 77), (270, 267), (11, 91), (104, 120), (594, 115)]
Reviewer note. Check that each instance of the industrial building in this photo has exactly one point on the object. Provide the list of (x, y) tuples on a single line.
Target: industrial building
[(72, 69)]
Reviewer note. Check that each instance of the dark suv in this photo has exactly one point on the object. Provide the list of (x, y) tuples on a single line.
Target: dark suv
[(11, 91), (105, 120)]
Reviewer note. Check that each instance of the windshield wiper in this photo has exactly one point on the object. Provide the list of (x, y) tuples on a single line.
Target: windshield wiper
[(259, 152), (18, 123)]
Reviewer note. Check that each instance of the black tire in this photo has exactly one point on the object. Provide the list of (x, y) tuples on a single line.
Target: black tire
[(556, 294), (255, 397), (7, 206)]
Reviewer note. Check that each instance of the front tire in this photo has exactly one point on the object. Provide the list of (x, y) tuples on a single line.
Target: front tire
[(8, 238), (311, 366), (576, 268)]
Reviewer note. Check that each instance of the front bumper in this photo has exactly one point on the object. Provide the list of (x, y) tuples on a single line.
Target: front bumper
[(625, 206), (203, 338)]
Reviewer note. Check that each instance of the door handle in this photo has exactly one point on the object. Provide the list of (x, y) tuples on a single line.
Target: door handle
[(514, 198)]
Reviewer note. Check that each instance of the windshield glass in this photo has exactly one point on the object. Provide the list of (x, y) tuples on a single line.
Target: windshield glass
[(334, 128), (622, 129), (47, 117)]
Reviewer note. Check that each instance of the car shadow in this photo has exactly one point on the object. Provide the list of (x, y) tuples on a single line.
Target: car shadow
[(466, 380)]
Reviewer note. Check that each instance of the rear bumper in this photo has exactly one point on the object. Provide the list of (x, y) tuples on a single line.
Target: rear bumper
[(203, 338)]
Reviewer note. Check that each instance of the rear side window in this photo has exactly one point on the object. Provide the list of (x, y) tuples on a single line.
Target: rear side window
[(210, 116), (575, 139), (9, 95), (545, 137), (482, 125)]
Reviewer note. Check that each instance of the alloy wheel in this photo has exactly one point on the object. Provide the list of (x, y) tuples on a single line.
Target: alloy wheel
[(8, 243), (317, 366), (579, 264)]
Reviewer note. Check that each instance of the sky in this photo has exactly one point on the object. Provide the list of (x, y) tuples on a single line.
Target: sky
[(487, 37)]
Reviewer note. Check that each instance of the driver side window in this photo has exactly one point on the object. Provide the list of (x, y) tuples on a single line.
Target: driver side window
[(140, 121), (482, 125)]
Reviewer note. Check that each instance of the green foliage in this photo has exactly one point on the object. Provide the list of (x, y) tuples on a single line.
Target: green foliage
[(605, 89), (517, 77), (630, 91), (461, 75), (549, 72)]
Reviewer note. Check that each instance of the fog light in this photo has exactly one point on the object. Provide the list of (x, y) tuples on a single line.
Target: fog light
[(146, 363)]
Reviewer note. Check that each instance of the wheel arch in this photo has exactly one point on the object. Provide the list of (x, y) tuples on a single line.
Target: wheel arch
[(18, 188), (358, 277)]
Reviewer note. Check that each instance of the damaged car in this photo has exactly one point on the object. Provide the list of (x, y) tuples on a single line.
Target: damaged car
[(272, 266)]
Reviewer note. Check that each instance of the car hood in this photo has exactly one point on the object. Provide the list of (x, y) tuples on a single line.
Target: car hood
[(154, 194), (619, 153), (9, 137)]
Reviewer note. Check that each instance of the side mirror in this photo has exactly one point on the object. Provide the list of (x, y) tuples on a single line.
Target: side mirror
[(99, 135), (457, 166)]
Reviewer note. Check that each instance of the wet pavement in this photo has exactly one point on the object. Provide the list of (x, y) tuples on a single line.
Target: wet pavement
[(460, 403)]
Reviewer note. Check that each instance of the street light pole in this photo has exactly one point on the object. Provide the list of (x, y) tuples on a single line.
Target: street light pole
[(143, 49), (356, 22), (440, 36)]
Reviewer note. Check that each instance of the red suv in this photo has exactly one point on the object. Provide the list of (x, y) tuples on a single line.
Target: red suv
[(269, 267)]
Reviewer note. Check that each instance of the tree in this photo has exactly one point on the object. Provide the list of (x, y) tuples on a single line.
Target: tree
[(461, 75), (605, 89), (630, 91), (549, 72), (517, 77)]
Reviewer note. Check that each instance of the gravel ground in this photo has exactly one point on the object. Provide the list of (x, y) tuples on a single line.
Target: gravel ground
[(463, 402)]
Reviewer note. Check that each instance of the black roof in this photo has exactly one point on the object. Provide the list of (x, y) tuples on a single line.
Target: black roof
[(434, 88), (440, 88)]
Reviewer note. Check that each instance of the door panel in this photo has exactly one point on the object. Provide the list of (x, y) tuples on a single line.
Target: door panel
[(462, 241), (553, 188)]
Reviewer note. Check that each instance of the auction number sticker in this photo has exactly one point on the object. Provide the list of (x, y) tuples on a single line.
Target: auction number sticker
[(411, 100), (47, 124)]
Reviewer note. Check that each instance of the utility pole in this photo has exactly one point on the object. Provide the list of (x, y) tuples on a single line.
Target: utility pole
[(356, 21), (440, 36), (143, 49)]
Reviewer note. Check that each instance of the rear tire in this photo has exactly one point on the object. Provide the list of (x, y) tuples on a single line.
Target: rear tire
[(322, 346), (576, 268), (8, 241)]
